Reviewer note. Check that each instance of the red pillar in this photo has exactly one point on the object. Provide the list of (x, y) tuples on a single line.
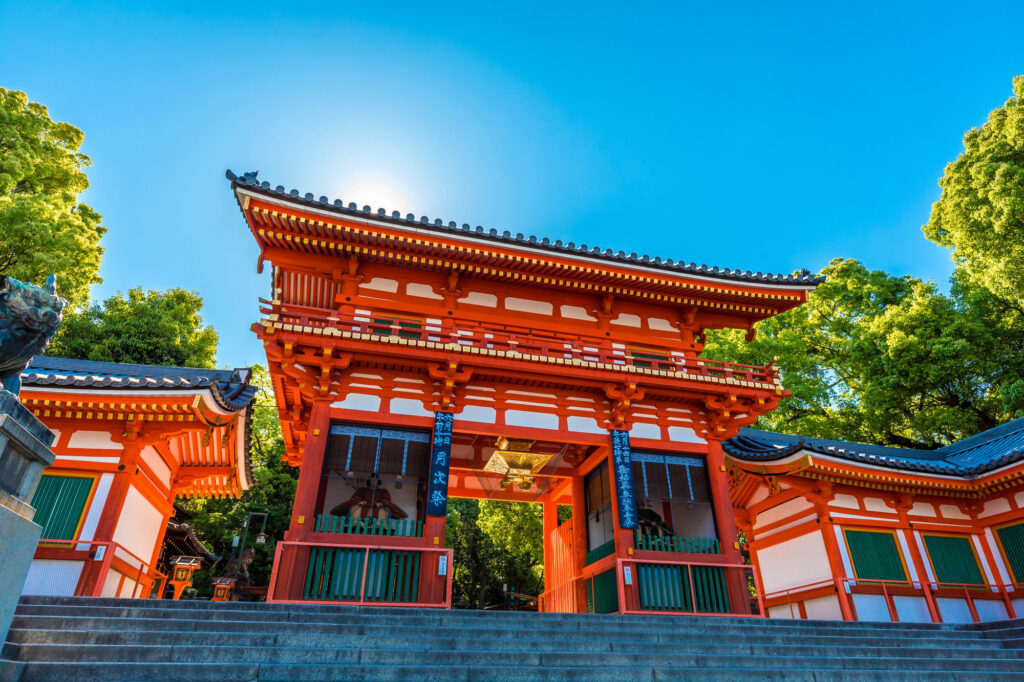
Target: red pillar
[(579, 541), (728, 533), (290, 564), (550, 514)]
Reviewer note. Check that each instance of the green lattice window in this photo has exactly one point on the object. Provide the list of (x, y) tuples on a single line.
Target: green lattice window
[(643, 357), (875, 555), (407, 329), (953, 560), (60, 503), (1012, 540)]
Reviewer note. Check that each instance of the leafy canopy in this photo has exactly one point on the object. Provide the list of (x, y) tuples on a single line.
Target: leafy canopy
[(980, 214), (878, 358), (144, 327), (43, 227), (217, 521)]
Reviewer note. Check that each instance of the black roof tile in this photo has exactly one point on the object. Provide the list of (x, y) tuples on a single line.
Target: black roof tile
[(250, 182)]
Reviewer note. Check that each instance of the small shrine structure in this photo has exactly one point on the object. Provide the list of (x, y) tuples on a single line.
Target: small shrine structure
[(130, 440), (848, 531), (415, 360)]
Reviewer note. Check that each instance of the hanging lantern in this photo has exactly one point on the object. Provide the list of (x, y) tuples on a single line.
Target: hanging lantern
[(512, 457)]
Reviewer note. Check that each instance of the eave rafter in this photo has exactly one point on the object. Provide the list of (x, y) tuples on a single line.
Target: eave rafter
[(298, 231)]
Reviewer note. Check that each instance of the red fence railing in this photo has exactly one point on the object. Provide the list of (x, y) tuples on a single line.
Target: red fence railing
[(889, 590), (105, 567), (527, 343), (361, 575)]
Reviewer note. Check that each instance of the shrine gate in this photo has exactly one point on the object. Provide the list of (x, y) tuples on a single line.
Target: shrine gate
[(415, 360)]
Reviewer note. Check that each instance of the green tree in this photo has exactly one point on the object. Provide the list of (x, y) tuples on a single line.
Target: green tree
[(475, 583), (876, 358), (980, 214), (516, 529), (43, 227), (218, 520), (144, 327)]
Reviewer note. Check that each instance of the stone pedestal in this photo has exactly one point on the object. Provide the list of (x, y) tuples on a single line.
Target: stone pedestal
[(24, 453)]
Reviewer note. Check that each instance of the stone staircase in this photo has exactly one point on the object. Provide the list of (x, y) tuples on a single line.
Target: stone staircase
[(70, 639)]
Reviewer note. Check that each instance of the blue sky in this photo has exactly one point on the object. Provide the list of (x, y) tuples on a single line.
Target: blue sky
[(764, 136)]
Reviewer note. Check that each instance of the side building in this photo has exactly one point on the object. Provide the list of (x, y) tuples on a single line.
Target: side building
[(130, 440), (415, 360), (848, 531)]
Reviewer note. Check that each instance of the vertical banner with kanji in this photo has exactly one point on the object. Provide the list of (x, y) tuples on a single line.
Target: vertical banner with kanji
[(624, 479), (440, 459)]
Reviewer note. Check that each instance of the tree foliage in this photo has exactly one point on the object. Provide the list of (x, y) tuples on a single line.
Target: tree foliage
[(877, 358), (144, 327), (43, 227), (218, 520), (980, 214)]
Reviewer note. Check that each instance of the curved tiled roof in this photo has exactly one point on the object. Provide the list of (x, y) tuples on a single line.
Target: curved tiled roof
[(972, 456), (230, 387), (250, 182)]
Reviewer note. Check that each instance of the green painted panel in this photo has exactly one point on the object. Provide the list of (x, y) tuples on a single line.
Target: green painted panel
[(875, 555), (60, 502), (1012, 540), (953, 560), (600, 552), (668, 588), (606, 592)]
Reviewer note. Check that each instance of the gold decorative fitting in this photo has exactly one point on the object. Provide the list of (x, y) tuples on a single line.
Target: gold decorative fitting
[(512, 457)]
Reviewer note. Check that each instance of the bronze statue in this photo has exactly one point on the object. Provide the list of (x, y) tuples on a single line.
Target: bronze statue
[(368, 503), (29, 316)]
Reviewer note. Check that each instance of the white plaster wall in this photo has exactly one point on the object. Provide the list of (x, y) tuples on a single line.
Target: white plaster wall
[(794, 563), (477, 413), (951, 511), (111, 584), (990, 609), (823, 608), (584, 425), (877, 504), (92, 516), (1004, 573), (380, 284), (658, 324), (1018, 606), (139, 525), (912, 609), (479, 298), (760, 494), (871, 607), (359, 401), (156, 464), (577, 313), (413, 408), (785, 612), (421, 290), (954, 610), (784, 510), (98, 440), (652, 431), (922, 509), (627, 320), (525, 305), (52, 577), (537, 420), (683, 434), (995, 506), (845, 502)]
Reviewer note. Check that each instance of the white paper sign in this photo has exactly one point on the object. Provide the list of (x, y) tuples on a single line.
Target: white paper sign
[(442, 565), (627, 575)]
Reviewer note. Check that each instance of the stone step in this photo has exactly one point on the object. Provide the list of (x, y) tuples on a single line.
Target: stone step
[(395, 641), (603, 625), (174, 649), (199, 609), (509, 672)]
